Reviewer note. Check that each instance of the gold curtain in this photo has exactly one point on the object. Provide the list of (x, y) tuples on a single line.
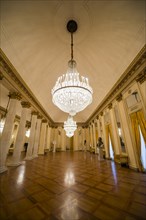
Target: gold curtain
[(142, 123), (135, 124)]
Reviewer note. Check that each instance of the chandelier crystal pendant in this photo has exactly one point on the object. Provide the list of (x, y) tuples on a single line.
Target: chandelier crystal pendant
[(70, 126), (71, 92)]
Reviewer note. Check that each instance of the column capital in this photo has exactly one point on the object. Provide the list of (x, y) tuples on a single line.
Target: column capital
[(15, 95), (119, 97), (25, 104), (39, 117), (141, 77), (28, 124), (110, 106), (97, 117), (44, 121), (101, 113), (34, 113), (1, 76)]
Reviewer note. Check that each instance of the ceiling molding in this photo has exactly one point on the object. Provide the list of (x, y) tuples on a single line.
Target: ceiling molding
[(135, 69), (8, 71)]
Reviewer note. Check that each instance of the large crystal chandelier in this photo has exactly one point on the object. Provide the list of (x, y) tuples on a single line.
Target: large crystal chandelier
[(70, 126), (71, 92)]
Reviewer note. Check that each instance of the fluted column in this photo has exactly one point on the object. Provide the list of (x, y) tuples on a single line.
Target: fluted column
[(114, 130), (48, 138), (8, 128), (76, 140), (63, 140), (42, 137), (105, 141), (37, 137), (20, 136), (31, 137), (128, 139), (91, 136), (94, 137), (98, 127)]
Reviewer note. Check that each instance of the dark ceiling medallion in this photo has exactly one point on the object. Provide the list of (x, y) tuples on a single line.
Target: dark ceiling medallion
[(72, 26)]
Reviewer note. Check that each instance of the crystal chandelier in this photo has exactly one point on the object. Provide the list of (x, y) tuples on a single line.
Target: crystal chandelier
[(71, 92), (70, 126)]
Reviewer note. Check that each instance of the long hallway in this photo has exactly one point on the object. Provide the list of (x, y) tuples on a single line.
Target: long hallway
[(70, 186)]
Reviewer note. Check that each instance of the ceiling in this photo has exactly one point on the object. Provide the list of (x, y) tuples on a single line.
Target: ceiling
[(34, 38)]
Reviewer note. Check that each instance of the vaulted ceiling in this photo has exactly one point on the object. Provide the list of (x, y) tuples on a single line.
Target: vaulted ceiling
[(35, 39)]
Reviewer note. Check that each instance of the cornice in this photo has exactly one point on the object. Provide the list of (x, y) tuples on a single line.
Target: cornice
[(135, 69), (8, 71)]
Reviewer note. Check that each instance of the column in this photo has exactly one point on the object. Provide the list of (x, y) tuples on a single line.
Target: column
[(128, 139), (63, 140), (48, 138), (91, 136), (8, 128), (20, 136), (114, 130), (59, 138), (98, 127), (76, 140), (87, 137), (94, 137), (37, 137), (42, 137), (31, 137), (105, 141)]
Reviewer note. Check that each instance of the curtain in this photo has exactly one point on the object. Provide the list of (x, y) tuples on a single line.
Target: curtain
[(135, 124), (142, 123)]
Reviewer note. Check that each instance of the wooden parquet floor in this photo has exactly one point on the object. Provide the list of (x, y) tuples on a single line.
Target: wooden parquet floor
[(72, 186)]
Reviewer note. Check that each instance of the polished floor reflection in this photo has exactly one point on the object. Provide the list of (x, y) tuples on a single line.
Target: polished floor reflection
[(72, 186)]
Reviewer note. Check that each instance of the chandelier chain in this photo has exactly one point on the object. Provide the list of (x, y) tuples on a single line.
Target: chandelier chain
[(72, 46)]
